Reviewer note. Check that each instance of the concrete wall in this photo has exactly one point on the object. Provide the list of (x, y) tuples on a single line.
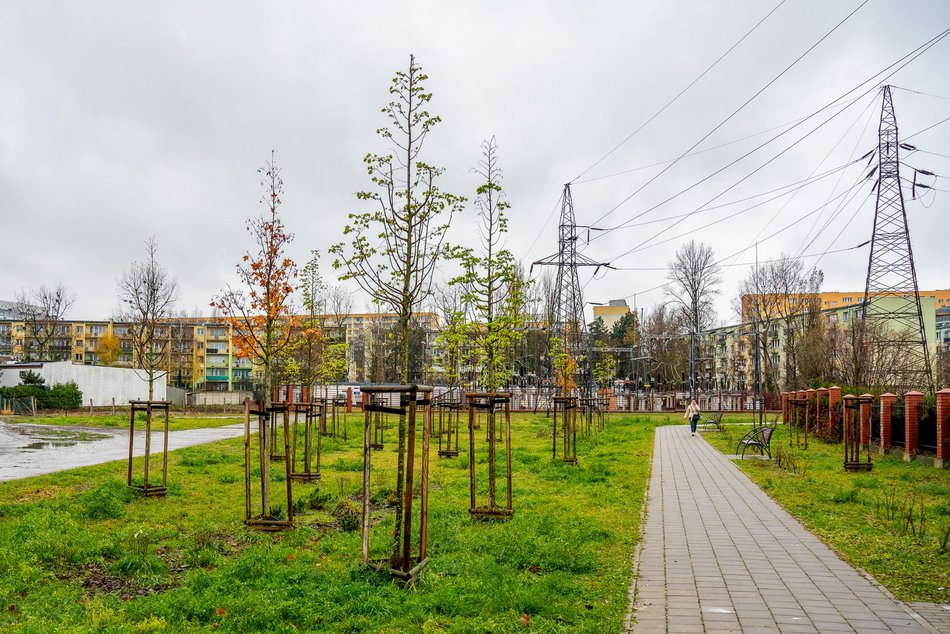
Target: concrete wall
[(99, 383), (176, 395), (218, 398)]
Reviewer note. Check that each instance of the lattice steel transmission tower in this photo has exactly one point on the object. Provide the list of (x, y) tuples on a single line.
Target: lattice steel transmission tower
[(893, 329), (569, 322)]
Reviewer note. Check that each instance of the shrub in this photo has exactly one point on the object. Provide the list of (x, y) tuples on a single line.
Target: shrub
[(65, 396), (349, 514)]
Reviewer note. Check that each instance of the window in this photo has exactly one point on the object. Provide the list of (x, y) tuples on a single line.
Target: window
[(96, 330), (79, 343), (201, 332), (846, 300)]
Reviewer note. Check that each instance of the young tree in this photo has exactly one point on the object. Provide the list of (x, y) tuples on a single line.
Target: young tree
[(394, 248), (147, 293), (43, 310), (453, 338), (261, 313), (308, 341), (564, 366), (490, 282)]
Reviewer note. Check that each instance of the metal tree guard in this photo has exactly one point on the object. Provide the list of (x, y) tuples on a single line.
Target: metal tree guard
[(309, 464), (338, 417), (565, 418), (448, 413), (274, 444), (853, 460), (414, 403), (147, 407), (798, 421), (378, 406), (487, 403), (267, 418)]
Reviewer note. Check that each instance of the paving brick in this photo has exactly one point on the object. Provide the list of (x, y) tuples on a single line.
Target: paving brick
[(719, 555)]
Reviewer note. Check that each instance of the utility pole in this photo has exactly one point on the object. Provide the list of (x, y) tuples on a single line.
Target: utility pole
[(891, 294), (692, 364)]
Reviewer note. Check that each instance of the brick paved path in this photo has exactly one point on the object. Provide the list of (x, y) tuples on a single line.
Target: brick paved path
[(720, 556)]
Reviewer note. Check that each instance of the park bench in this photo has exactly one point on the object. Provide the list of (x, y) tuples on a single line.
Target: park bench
[(714, 420), (760, 438)]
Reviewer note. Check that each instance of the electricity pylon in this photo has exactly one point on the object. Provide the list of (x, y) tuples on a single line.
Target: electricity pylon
[(569, 324), (894, 333)]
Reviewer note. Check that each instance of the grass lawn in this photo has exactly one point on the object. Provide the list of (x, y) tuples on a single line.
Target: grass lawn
[(177, 421), (79, 553), (863, 516)]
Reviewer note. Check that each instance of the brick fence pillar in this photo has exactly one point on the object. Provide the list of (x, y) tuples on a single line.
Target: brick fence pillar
[(913, 407), (784, 407), (888, 401), (834, 397), (305, 394), (943, 429), (866, 401)]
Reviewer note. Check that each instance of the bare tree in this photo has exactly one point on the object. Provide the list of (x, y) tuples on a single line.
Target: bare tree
[(43, 310), (147, 294), (694, 279), (760, 309), (340, 307), (666, 346)]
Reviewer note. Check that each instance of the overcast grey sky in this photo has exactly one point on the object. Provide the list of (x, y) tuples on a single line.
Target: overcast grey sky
[(124, 120)]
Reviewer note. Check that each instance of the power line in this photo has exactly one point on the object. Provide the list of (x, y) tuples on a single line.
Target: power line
[(899, 64), (735, 112), (680, 94), (646, 242), (918, 92), (696, 153), (734, 264), (791, 187), (928, 127)]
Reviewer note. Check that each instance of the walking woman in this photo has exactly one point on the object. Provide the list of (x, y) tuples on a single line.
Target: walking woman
[(693, 414)]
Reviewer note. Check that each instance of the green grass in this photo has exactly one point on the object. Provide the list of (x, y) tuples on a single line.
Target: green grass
[(177, 421), (863, 516), (79, 553)]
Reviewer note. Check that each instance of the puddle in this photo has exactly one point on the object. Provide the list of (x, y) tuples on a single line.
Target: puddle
[(16, 438), (28, 450)]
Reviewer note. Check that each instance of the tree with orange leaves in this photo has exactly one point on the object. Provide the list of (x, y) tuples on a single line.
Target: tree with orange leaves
[(260, 313)]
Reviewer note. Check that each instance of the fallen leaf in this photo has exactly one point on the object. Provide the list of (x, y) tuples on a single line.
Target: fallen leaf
[(220, 612), (11, 608), (525, 619), (290, 557)]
